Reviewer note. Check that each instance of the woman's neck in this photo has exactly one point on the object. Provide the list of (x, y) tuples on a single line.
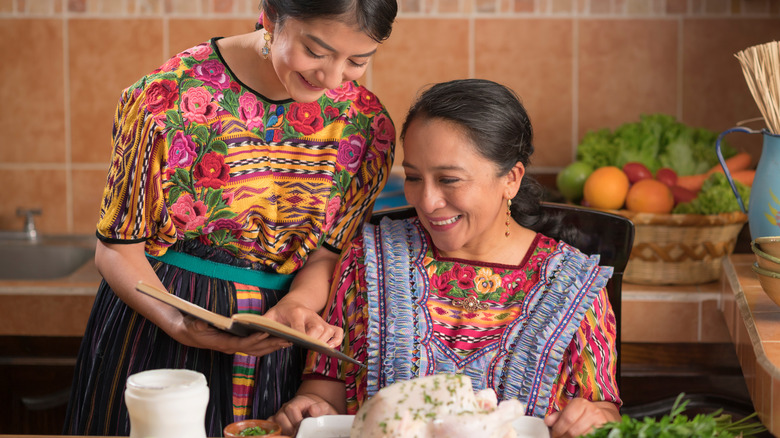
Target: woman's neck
[(242, 55)]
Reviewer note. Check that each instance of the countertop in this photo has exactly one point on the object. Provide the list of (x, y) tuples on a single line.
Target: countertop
[(753, 321)]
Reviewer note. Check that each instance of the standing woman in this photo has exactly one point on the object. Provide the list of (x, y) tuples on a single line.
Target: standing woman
[(241, 168)]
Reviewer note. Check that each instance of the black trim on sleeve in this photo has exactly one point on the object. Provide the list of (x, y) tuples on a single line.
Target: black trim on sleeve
[(331, 248), (105, 239)]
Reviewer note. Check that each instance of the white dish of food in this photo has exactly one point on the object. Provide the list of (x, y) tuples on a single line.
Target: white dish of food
[(327, 426), (338, 426)]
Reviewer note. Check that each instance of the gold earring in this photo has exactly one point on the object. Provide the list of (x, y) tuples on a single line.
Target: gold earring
[(508, 215), (267, 47)]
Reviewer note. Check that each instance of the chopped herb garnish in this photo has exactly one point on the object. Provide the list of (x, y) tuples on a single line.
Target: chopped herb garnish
[(253, 431)]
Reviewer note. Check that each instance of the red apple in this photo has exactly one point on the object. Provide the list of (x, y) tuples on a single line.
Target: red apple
[(667, 176), (636, 171), (681, 194)]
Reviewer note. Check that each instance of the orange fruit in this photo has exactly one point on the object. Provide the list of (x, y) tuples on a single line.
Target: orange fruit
[(650, 196), (606, 188)]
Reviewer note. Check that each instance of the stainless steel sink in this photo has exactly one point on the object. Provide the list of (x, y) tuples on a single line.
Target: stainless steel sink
[(46, 258)]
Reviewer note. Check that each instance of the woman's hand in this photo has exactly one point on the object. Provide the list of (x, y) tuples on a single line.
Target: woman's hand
[(296, 315), (196, 333), (580, 417), (291, 414), (314, 398)]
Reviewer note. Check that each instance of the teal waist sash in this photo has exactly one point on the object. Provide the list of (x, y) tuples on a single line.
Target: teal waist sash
[(222, 271)]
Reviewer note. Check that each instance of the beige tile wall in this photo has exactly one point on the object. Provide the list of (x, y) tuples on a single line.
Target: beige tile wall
[(577, 64)]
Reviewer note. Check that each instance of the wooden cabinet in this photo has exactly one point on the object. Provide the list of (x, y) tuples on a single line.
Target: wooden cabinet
[(35, 378)]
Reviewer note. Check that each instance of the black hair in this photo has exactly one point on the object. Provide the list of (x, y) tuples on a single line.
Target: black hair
[(497, 124), (374, 17)]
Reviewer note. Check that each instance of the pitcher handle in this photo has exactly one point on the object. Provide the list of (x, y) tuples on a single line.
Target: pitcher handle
[(725, 167)]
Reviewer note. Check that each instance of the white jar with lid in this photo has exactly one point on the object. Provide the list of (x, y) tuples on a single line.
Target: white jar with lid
[(167, 403)]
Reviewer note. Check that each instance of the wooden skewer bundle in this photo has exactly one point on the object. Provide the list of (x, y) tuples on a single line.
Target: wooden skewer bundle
[(761, 67)]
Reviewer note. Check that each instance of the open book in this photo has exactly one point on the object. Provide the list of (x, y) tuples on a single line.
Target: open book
[(244, 324)]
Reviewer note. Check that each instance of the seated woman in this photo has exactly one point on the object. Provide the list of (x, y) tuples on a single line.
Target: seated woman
[(472, 285)]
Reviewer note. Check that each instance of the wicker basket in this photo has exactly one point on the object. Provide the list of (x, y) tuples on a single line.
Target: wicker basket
[(680, 248)]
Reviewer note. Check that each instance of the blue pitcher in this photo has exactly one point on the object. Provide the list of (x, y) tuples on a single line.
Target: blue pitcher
[(764, 209)]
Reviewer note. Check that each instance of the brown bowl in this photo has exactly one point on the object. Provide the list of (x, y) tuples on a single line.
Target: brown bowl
[(769, 244), (765, 261), (770, 282), (233, 430)]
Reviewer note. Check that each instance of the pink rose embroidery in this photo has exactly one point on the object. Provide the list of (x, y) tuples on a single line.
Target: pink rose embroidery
[(305, 118), (384, 132), (211, 171), (251, 111), (183, 150), (346, 92), (350, 152), (161, 96), (201, 51), (188, 214), (197, 105), (230, 225), (330, 213), (212, 73)]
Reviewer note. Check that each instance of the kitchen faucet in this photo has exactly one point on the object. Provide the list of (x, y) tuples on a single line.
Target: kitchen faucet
[(28, 232)]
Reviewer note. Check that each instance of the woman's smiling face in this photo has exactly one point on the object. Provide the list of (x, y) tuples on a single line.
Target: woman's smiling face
[(313, 56), (457, 194)]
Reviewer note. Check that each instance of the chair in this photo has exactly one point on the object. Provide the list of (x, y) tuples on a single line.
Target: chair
[(609, 235)]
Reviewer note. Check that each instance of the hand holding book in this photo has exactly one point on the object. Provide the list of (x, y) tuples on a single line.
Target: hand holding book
[(243, 324)]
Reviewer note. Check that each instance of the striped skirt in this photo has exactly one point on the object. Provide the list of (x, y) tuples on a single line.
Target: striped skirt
[(119, 342)]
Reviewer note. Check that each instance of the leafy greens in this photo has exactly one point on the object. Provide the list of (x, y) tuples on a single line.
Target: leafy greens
[(676, 425), (656, 140)]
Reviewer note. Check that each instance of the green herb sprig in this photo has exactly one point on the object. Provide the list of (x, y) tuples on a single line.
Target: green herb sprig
[(253, 431), (673, 425)]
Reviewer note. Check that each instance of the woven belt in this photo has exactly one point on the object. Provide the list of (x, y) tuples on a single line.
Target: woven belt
[(222, 271)]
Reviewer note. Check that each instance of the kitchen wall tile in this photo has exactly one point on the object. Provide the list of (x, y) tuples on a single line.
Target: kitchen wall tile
[(32, 117), (536, 62), (449, 6), (422, 52), (619, 82), (44, 189), (755, 6), (715, 94), (106, 56), (713, 324), (86, 206), (6, 6), (659, 321), (600, 6), (186, 33), (525, 6), (676, 6)]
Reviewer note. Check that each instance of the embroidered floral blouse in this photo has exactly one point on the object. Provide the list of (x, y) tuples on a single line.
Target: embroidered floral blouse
[(199, 155), (470, 304)]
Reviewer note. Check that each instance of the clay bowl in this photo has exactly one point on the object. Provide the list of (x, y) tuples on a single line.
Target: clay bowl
[(770, 282), (233, 430), (769, 244), (764, 260)]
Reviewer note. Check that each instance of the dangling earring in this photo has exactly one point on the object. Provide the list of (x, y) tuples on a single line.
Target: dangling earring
[(267, 47), (508, 215)]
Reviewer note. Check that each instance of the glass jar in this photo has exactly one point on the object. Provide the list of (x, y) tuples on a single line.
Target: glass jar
[(167, 403)]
